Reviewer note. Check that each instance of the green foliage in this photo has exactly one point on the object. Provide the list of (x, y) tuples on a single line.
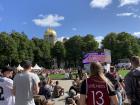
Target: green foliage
[(123, 72), (58, 52), (41, 52), (77, 46), (89, 43), (16, 47), (122, 45), (73, 50)]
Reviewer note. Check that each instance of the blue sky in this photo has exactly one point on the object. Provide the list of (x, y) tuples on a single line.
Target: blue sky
[(70, 17)]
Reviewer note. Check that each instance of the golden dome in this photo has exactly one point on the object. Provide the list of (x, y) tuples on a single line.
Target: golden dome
[(51, 32)]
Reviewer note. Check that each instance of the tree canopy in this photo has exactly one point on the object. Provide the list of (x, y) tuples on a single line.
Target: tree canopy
[(16, 47)]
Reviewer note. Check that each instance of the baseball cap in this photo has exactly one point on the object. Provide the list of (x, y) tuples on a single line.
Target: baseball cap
[(6, 68)]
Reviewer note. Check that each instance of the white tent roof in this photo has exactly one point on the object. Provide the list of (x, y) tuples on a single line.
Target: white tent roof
[(19, 67), (36, 67)]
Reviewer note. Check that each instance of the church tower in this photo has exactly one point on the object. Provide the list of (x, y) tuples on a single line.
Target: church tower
[(50, 36)]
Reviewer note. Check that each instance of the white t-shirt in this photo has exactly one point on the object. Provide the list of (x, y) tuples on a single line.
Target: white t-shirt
[(23, 83), (66, 75), (6, 96)]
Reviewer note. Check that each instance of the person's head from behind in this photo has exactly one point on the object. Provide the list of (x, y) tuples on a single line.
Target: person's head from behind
[(112, 69), (44, 83), (74, 83), (7, 71), (27, 64), (96, 69), (57, 82), (135, 61)]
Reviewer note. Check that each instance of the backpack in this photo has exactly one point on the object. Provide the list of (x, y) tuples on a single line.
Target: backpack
[(97, 92), (136, 89)]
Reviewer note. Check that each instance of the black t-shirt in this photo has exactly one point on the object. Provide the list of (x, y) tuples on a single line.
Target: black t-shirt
[(116, 80), (83, 89)]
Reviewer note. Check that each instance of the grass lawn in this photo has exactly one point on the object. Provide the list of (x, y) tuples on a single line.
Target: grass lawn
[(61, 76), (123, 72), (56, 76)]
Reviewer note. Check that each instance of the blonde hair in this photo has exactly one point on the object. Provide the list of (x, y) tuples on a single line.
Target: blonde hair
[(96, 69)]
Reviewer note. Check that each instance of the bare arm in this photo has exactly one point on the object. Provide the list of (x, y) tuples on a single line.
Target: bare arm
[(36, 88), (14, 90), (114, 99), (82, 99)]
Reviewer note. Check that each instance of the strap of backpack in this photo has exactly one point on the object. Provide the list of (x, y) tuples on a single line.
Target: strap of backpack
[(134, 88)]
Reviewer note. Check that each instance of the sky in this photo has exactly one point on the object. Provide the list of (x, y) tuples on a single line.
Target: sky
[(70, 17)]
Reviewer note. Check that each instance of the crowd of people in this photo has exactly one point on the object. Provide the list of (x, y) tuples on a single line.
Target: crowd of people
[(98, 87)]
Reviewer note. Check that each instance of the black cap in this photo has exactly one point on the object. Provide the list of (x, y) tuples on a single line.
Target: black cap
[(6, 68), (26, 64)]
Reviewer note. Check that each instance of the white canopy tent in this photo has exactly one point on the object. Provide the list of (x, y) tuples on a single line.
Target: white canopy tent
[(36, 67), (19, 68)]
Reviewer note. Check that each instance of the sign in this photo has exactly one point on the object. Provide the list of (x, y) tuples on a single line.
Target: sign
[(98, 57)]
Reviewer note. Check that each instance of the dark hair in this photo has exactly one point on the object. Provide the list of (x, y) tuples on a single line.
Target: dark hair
[(112, 69), (26, 64), (44, 82), (57, 82), (6, 68)]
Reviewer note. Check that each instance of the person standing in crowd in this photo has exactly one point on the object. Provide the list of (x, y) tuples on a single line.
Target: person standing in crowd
[(132, 82), (26, 85), (6, 87), (97, 89), (117, 81)]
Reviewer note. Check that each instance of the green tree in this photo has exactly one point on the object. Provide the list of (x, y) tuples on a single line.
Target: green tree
[(23, 46), (122, 45), (58, 52), (89, 43), (41, 52), (73, 51), (8, 51)]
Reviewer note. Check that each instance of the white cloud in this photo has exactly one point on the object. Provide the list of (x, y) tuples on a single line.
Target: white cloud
[(74, 29), (125, 14), (48, 20), (100, 3), (133, 8), (134, 15), (61, 38), (129, 2), (137, 34), (99, 38)]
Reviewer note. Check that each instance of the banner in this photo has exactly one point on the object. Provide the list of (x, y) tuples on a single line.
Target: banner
[(98, 57)]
